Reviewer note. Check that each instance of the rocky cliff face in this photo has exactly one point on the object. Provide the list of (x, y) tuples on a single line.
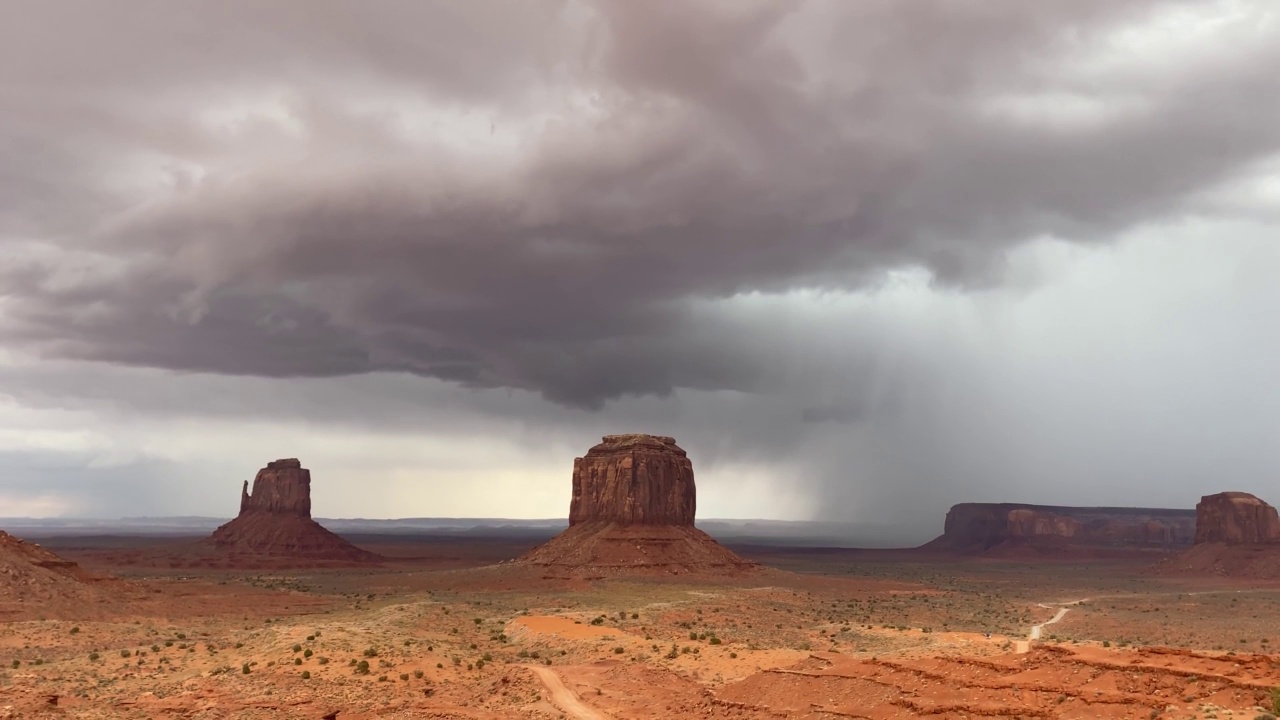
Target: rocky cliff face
[(283, 487), (1236, 518), (275, 520), (634, 480), (980, 526)]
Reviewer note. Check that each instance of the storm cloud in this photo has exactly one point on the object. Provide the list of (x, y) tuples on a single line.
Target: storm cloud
[(805, 234)]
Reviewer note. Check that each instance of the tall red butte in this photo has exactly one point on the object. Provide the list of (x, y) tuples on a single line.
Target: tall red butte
[(1237, 535), (632, 510), (275, 520)]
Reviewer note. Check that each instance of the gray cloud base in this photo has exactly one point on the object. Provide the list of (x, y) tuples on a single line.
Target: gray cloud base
[(599, 202)]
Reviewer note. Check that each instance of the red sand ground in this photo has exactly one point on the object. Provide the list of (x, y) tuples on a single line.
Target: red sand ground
[(849, 637)]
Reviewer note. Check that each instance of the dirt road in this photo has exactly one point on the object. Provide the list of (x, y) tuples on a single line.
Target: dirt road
[(1024, 646), (564, 698)]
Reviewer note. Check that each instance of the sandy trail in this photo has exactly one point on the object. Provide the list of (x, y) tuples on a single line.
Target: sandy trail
[(1024, 646), (564, 698)]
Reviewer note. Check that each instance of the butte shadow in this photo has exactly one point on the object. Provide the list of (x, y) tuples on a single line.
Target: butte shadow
[(632, 512), (275, 524)]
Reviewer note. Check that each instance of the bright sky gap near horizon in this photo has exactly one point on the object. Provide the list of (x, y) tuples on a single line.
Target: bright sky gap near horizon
[(862, 260)]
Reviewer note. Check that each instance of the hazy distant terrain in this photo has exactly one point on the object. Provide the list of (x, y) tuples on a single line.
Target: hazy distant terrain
[(771, 532)]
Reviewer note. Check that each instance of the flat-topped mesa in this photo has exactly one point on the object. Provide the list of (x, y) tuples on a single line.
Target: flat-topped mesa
[(283, 487), (1236, 518), (632, 512), (634, 479), (982, 526)]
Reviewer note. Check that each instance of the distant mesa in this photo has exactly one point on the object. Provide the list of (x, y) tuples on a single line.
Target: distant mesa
[(1237, 535), (995, 528), (632, 510), (275, 519)]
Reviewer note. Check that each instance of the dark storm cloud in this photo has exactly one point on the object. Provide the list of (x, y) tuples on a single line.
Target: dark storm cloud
[(641, 158)]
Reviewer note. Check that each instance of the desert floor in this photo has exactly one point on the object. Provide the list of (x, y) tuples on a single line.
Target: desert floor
[(445, 629)]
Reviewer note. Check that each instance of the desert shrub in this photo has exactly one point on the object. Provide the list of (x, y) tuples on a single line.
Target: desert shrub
[(477, 621), (733, 655), (297, 648), (439, 666), (404, 676), (93, 656), (307, 653), (713, 640), (693, 636), (306, 674), (17, 663), (123, 653), (619, 650), (76, 629), (245, 668), (323, 661), (155, 648), (370, 652), (382, 678), (362, 667), (297, 661), (182, 636)]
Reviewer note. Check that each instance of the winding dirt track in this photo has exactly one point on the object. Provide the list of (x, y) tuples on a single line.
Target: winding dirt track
[(564, 698), (1024, 646)]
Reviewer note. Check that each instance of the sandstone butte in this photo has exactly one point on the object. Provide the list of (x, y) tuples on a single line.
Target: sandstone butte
[(988, 527), (632, 510), (1236, 518), (275, 519), (1237, 535)]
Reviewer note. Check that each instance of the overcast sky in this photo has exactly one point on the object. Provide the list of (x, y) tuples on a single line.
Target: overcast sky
[(864, 260)]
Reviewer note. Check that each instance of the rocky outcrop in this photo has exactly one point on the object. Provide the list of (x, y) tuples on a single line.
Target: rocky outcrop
[(30, 573), (632, 511), (983, 526), (275, 520), (634, 480), (1236, 518)]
